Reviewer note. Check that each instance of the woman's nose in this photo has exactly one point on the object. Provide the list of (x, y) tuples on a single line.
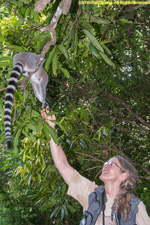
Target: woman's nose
[(106, 165)]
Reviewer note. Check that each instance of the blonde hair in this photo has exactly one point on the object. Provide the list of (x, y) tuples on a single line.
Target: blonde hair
[(122, 200)]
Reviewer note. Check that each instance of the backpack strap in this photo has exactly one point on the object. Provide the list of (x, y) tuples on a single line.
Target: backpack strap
[(96, 204), (119, 217), (103, 206)]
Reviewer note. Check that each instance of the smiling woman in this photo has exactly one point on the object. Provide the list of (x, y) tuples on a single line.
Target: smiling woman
[(122, 186), (123, 198), (112, 204)]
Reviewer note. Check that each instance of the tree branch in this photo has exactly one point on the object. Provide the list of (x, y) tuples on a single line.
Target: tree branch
[(63, 7), (40, 5), (70, 29), (108, 95)]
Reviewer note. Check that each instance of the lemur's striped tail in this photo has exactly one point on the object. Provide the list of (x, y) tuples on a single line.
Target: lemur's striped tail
[(11, 88)]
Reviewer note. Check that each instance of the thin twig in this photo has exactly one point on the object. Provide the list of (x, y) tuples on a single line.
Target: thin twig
[(70, 29)]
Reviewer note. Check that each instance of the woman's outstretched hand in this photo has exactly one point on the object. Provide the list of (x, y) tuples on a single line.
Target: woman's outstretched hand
[(47, 118)]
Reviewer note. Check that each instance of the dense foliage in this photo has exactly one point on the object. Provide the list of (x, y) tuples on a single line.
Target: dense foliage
[(99, 77)]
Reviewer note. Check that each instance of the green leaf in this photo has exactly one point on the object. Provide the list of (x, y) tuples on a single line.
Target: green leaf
[(48, 130), (19, 22), (60, 125), (16, 139), (99, 133), (22, 10), (125, 21), (24, 156), (18, 113), (57, 209), (4, 58), (64, 189), (99, 21), (83, 144), (55, 63), (94, 50), (35, 114), (5, 61), (28, 110), (36, 16), (15, 47), (32, 127), (1, 110), (43, 166), (39, 126), (22, 124), (68, 41), (107, 60), (62, 212), (2, 138), (93, 40), (105, 47), (27, 12), (71, 208), (29, 179), (65, 72), (63, 50), (49, 59), (29, 135), (39, 177)]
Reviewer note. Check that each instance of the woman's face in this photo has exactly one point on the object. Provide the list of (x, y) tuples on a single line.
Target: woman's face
[(112, 171)]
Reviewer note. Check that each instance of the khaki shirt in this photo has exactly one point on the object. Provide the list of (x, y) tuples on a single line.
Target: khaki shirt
[(80, 188)]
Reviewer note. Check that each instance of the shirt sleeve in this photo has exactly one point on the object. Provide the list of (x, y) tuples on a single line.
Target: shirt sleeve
[(80, 188), (142, 217)]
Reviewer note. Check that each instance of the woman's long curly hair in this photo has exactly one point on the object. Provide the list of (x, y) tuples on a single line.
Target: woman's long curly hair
[(122, 200)]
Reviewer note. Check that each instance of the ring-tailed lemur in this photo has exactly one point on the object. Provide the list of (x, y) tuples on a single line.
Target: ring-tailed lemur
[(24, 63)]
